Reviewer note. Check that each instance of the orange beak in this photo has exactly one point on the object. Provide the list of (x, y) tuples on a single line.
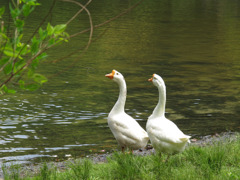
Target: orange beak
[(150, 80), (110, 75)]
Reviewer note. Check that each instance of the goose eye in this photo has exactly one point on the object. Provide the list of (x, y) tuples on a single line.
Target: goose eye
[(117, 73)]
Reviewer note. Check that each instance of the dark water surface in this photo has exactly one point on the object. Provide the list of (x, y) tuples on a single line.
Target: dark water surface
[(194, 45)]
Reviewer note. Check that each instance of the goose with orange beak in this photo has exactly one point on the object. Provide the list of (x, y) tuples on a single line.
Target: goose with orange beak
[(128, 133), (164, 135)]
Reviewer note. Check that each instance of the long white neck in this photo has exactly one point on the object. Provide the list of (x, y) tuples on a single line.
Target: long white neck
[(159, 110), (120, 104)]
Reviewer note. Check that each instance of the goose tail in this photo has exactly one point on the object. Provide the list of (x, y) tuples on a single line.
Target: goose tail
[(185, 139)]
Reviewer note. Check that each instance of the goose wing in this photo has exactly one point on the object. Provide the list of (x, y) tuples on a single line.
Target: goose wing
[(167, 131), (126, 128)]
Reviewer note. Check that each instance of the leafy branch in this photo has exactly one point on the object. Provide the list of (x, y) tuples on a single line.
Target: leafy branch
[(19, 60), (18, 57)]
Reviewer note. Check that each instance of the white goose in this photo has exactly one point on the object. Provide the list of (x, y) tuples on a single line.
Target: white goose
[(126, 130), (164, 135)]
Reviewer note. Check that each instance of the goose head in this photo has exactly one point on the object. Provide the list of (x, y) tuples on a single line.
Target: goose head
[(157, 81), (115, 75)]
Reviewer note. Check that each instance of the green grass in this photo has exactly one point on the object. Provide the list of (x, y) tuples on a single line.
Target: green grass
[(220, 161)]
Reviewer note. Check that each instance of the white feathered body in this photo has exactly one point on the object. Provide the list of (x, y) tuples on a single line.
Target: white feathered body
[(165, 136), (126, 130)]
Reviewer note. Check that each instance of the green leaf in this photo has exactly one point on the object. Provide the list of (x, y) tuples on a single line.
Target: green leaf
[(25, 49), (32, 87), (39, 78), (11, 91), (31, 72), (50, 29), (21, 84), (6, 90), (35, 45), (19, 23), (42, 34), (42, 56), (2, 10), (35, 63), (45, 34), (14, 12), (26, 8), (58, 29), (18, 65), (8, 69), (4, 36), (51, 42), (31, 2), (8, 51), (63, 39), (3, 61), (20, 37)]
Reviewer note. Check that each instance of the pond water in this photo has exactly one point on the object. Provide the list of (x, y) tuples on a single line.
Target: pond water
[(194, 45)]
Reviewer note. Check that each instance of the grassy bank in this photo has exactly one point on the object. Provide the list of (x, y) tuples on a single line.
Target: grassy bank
[(220, 160)]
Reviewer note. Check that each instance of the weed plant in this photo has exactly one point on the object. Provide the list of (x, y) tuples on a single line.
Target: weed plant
[(220, 161)]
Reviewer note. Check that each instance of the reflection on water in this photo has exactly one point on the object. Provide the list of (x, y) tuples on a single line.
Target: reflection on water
[(49, 130), (193, 45)]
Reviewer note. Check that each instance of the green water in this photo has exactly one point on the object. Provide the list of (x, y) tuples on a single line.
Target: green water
[(194, 45)]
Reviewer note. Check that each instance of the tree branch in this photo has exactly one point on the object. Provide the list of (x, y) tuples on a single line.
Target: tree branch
[(72, 18), (90, 19), (36, 30), (110, 20), (97, 26)]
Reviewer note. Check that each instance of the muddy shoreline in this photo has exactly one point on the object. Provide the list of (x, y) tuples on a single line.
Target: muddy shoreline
[(102, 158)]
